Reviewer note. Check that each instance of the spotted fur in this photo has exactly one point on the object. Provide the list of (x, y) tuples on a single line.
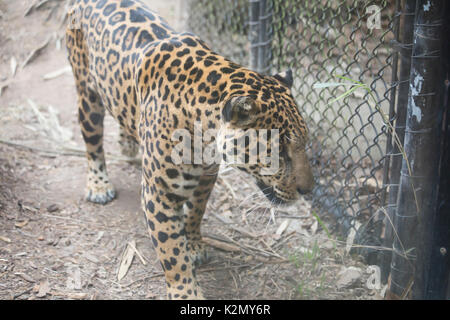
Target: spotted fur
[(152, 80)]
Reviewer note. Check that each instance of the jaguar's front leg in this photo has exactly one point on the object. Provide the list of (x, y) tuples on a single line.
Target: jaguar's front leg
[(165, 219), (195, 209)]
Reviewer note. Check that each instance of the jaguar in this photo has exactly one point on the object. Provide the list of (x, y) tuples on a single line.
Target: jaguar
[(153, 80)]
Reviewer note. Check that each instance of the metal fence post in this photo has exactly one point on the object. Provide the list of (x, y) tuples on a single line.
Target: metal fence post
[(260, 40), (417, 200), (253, 33), (404, 49), (264, 39), (438, 286), (438, 273)]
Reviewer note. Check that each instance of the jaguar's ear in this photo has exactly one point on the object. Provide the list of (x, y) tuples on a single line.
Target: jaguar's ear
[(285, 77), (240, 111)]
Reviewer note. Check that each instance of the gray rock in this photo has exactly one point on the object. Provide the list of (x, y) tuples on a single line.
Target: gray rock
[(348, 277)]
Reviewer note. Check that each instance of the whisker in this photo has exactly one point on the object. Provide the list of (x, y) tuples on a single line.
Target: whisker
[(253, 209), (256, 193), (295, 139)]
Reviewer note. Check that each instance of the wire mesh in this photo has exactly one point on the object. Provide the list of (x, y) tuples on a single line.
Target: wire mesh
[(223, 25), (325, 42)]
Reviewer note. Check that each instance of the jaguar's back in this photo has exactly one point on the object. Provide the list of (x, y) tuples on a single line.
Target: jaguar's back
[(106, 41)]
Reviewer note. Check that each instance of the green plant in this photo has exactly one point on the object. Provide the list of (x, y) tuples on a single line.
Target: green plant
[(294, 260)]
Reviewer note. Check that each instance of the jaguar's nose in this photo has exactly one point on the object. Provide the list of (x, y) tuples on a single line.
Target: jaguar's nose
[(304, 191)]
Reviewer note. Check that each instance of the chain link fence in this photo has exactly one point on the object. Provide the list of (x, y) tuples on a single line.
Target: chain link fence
[(223, 25), (340, 53), (330, 42)]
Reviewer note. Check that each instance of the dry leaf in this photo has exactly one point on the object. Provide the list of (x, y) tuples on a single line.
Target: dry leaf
[(133, 246), (127, 259), (282, 227), (21, 224), (5, 239)]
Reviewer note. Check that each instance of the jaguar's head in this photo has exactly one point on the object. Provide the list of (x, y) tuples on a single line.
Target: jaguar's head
[(267, 137)]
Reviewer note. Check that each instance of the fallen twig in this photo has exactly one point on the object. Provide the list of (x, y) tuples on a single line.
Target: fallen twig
[(36, 52), (35, 5), (57, 73), (245, 248), (67, 151), (221, 245), (17, 295), (30, 8)]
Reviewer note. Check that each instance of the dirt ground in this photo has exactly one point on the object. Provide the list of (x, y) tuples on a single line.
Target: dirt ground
[(55, 245)]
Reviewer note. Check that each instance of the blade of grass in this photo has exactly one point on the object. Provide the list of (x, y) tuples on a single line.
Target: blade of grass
[(345, 94)]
